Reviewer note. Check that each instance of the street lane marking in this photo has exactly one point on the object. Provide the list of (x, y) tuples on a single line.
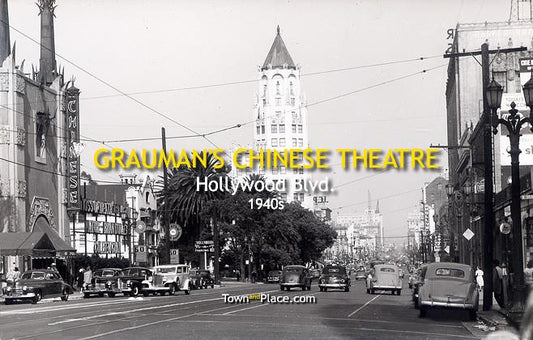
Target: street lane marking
[(137, 310), (363, 306)]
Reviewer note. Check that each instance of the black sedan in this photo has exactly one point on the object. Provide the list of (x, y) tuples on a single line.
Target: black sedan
[(334, 277), (36, 284)]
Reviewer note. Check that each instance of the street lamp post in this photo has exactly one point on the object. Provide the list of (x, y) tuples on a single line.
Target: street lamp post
[(514, 123), (131, 222)]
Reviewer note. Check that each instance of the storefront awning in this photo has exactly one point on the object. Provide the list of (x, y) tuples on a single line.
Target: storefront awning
[(35, 244)]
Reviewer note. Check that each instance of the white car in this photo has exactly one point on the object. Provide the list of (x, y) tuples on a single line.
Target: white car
[(167, 278)]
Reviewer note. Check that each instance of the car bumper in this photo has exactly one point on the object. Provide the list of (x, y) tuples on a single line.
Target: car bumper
[(386, 287), (333, 285), (19, 296), (101, 290), (447, 305), (292, 284)]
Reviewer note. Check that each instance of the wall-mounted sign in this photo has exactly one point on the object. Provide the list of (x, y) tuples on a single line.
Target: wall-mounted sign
[(140, 254), (175, 231), (102, 227), (99, 207), (174, 256), (505, 228), (106, 247), (73, 146), (204, 246)]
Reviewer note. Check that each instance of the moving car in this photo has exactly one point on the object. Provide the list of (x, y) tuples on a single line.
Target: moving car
[(167, 279), (295, 276), (360, 274), (334, 277), (274, 276), (132, 279), (449, 285), (384, 277), (105, 281), (36, 284), (418, 280), (201, 278)]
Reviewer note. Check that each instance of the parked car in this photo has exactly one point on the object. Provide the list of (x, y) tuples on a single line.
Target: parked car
[(449, 285), (334, 277), (105, 281), (384, 277), (132, 279), (201, 278), (274, 276), (418, 280), (295, 276), (167, 279), (36, 284), (360, 274)]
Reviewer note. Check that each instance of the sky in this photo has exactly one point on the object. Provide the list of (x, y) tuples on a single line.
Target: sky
[(167, 47)]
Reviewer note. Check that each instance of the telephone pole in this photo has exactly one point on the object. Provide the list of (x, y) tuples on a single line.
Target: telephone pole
[(165, 258), (488, 244)]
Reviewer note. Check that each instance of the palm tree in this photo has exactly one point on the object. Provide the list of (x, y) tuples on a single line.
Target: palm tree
[(185, 203)]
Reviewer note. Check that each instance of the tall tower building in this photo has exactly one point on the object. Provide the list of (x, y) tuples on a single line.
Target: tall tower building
[(281, 116)]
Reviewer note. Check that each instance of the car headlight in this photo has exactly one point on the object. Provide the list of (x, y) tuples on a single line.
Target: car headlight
[(25, 288), (108, 283), (9, 289), (128, 283)]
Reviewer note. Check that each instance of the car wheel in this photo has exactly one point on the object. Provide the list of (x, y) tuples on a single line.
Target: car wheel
[(64, 297), (372, 291), (86, 295), (38, 296), (288, 288), (111, 294), (399, 292), (172, 289), (212, 285), (145, 294), (472, 314), (8, 301), (281, 288), (346, 289), (187, 292), (100, 294), (162, 293), (325, 289), (423, 311), (134, 291)]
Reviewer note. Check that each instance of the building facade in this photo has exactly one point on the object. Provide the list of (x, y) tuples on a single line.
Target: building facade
[(35, 136)]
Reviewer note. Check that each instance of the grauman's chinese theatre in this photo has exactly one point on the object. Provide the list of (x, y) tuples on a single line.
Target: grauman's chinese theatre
[(39, 166)]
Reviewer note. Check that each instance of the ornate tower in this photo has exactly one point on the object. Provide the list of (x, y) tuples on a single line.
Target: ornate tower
[(47, 62), (5, 44), (281, 116)]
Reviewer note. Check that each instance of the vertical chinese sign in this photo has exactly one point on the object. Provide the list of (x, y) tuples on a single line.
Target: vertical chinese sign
[(73, 146)]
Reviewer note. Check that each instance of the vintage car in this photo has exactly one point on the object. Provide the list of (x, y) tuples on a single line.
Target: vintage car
[(167, 279), (132, 279), (334, 277), (201, 278), (274, 276), (418, 279), (105, 281), (295, 276), (384, 277), (360, 274), (36, 284), (448, 285)]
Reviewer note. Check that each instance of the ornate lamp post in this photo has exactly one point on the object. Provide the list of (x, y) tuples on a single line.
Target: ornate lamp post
[(514, 123), (131, 223)]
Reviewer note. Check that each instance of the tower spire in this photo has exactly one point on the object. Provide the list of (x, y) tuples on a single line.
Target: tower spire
[(47, 63), (369, 201), (5, 43)]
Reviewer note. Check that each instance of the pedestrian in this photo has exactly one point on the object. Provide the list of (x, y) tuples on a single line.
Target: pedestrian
[(53, 267), (80, 279), (528, 274), (479, 278), (12, 276), (254, 276), (87, 276), (497, 284)]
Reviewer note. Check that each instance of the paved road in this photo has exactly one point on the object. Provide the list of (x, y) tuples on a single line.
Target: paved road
[(203, 314)]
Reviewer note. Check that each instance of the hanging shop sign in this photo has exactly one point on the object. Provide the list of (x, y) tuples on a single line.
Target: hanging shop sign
[(99, 207), (73, 147), (102, 227), (106, 247), (528, 223)]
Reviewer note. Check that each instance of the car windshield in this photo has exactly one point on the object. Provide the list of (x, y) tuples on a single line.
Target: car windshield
[(292, 270), (33, 275), (166, 270), (387, 270), (450, 272), (108, 273), (334, 270), (130, 272)]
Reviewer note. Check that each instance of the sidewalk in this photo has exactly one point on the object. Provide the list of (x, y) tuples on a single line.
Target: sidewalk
[(496, 317)]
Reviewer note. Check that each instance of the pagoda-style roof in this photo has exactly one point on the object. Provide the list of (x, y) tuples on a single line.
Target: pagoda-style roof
[(278, 56)]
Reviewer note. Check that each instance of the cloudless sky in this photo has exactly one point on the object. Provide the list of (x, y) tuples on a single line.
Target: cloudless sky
[(166, 44)]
